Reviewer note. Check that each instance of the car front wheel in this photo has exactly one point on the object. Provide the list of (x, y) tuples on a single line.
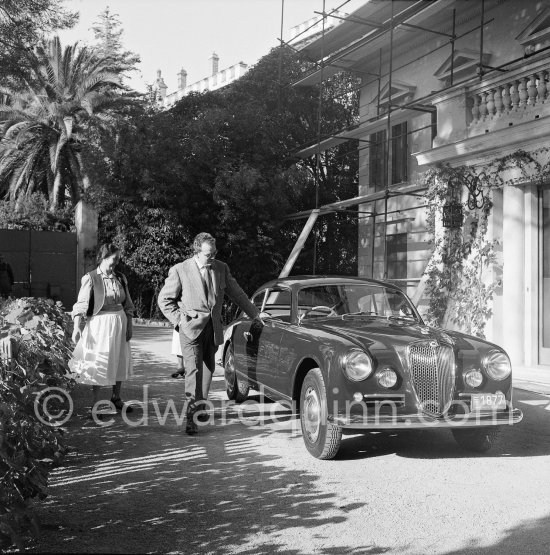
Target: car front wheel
[(321, 437), (479, 440), (236, 388)]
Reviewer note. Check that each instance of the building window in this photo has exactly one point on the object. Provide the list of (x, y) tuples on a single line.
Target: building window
[(399, 153), (396, 253), (377, 160), (399, 157)]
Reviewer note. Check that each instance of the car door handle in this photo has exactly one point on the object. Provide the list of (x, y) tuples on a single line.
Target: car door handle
[(247, 336)]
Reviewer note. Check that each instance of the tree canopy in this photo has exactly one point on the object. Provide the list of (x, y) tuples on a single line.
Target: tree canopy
[(221, 161), (22, 24), (44, 127), (224, 161), (108, 33)]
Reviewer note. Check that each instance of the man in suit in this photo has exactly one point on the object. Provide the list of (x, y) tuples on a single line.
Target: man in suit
[(191, 299)]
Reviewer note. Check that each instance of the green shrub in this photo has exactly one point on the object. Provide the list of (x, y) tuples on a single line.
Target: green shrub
[(33, 212), (38, 331)]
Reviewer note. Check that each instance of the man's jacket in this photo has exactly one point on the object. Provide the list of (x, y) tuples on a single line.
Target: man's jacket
[(183, 298)]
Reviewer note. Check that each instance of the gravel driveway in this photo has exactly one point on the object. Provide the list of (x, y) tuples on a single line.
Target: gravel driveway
[(247, 485)]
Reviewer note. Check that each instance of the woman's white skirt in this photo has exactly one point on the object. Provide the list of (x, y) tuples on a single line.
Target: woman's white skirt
[(176, 345), (102, 356)]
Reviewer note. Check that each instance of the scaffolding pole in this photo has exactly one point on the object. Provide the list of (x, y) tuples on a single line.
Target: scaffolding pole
[(387, 155), (299, 243), (318, 153), (281, 57)]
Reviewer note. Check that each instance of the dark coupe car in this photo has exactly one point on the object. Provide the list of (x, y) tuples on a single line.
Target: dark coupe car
[(355, 353)]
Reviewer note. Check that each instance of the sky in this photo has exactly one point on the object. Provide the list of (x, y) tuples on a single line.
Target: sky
[(174, 34)]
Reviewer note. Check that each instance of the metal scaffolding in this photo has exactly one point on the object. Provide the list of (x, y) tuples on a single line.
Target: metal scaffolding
[(377, 31)]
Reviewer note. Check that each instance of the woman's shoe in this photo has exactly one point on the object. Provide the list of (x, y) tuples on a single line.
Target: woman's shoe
[(119, 404)]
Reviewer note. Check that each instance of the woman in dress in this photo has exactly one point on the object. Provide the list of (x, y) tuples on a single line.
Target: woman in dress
[(102, 356)]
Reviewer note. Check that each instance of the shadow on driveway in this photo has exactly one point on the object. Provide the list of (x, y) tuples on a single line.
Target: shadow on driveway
[(126, 489)]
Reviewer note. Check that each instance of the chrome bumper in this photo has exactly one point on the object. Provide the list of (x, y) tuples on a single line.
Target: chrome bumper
[(416, 421)]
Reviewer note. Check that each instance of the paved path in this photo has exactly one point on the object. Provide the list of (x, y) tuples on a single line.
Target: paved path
[(253, 489)]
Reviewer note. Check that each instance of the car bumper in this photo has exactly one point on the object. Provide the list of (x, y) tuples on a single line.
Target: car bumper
[(416, 421)]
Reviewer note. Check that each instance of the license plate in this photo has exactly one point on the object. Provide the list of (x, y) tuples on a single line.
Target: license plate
[(488, 401)]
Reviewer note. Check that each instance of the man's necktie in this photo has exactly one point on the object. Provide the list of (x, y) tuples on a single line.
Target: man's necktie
[(208, 287)]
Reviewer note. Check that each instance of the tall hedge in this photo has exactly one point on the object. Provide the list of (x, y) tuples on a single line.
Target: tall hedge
[(31, 443)]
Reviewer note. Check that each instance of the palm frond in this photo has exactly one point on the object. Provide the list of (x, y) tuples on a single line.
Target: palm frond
[(37, 140)]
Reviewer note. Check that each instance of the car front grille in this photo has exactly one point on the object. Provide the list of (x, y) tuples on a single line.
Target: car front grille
[(432, 369)]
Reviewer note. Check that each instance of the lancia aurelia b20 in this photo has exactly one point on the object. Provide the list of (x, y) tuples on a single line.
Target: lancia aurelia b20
[(351, 353)]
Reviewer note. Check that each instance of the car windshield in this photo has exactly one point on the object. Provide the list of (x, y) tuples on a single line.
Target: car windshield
[(361, 299)]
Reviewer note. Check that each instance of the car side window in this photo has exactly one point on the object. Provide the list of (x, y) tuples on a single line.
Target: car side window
[(277, 303)]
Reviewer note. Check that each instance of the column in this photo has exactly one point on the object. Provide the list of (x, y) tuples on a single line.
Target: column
[(531, 338), (513, 274), (86, 220)]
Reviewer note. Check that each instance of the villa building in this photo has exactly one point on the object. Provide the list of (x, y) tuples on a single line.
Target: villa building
[(463, 84)]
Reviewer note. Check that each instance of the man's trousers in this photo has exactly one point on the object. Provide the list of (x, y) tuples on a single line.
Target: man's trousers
[(199, 360)]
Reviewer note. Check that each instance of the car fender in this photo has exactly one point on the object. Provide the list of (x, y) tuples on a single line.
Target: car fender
[(222, 349)]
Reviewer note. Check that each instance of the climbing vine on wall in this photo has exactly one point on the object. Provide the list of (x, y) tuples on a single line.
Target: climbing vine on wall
[(464, 270)]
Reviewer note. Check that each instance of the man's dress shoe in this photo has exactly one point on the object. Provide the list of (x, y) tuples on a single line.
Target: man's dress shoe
[(191, 427)]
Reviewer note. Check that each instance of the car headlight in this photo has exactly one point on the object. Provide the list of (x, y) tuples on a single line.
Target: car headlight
[(497, 365), (357, 365)]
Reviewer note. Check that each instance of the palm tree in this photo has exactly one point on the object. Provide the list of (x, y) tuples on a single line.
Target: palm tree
[(44, 128)]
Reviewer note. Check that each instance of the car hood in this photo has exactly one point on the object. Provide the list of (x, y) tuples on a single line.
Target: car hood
[(375, 333)]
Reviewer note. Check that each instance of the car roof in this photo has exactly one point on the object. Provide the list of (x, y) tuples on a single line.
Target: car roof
[(298, 281)]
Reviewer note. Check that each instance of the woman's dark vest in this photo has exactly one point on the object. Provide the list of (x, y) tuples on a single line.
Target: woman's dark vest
[(97, 295)]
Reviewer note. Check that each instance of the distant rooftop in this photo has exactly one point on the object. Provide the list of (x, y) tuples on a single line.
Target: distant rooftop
[(217, 79)]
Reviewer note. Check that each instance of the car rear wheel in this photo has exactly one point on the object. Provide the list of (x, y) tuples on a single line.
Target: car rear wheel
[(479, 440), (236, 388), (322, 438)]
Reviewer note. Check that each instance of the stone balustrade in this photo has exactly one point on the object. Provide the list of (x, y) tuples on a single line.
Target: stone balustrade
[(496, 113), (510, 96)]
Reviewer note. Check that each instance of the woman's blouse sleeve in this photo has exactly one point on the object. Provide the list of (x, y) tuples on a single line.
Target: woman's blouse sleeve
[(80, 308)]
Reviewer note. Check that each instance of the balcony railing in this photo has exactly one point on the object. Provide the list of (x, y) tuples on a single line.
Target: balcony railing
[(472, 117), (521, 92)]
